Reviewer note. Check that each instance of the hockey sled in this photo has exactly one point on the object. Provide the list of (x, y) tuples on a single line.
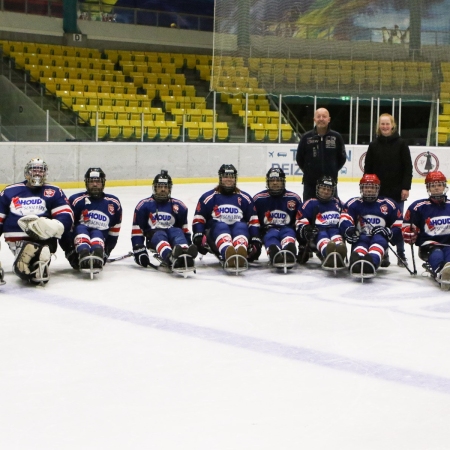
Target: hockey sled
[(183, 265), (333, 261), (362, 269), (284, 259), (92, 269), (235, 264)]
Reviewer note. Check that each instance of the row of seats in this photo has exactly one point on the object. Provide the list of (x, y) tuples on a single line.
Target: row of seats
[(148, 130), (48, 49), (196, 131), (70, 98), (20, 59), (67, 84), (254, 116), (181, 115), (90, 112), (166, 90), (129, 69), (242, 82), (170, 102), (236, 104), (265, 132), (140, 79), (36, 72)]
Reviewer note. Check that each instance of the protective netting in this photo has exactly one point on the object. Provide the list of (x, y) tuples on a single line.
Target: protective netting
[(347, 47)]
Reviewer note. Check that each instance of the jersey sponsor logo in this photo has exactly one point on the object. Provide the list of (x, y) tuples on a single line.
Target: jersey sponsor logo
[(367, 223), (49, 192), (95, 219), (437, 225), (111, 209), (328, 218), (28, 205), (276, 217), (228, 214), (161, 220), (330, 142), (291, 205)]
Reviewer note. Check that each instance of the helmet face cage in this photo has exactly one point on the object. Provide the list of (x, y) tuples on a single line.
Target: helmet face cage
[(436, 184), (36, 172), (95, 173), (330, 186), (369, 191), (163, 180), (227, 171), (276, 175)]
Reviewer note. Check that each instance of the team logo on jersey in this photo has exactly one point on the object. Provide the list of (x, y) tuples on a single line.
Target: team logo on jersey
[(49, 192), (239, 201), (111, 209), (175, 208), (384, 209), (198, 207), (291, 205)]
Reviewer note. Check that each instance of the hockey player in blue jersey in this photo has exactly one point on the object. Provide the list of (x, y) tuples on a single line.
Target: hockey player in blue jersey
[(98, 218), (160, 224), (369, 223), (277, 210), (225, 221), (33, 216), (319, 225), (427, 224)]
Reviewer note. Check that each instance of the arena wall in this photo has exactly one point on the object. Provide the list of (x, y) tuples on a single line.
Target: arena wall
[(129, 164)]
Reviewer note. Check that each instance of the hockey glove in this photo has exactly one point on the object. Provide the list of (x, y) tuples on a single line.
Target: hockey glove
[(309, 232), (141, 256), (351, 235), (410, 233), (383, 231), (72, 257), (254, 249), (199, 241)]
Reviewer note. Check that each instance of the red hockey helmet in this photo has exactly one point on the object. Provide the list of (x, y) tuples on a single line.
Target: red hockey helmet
[(369, 187), (436, 184), (434, 176)]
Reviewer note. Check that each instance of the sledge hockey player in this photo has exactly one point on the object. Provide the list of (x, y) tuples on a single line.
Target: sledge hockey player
[(369, 223), (160, 224), (277, 210), (33, 216), (97, 222), (318, 226), (427, 224), (225, 223)]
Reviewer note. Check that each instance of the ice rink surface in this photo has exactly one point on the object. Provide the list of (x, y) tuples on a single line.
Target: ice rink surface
[(140, 359)]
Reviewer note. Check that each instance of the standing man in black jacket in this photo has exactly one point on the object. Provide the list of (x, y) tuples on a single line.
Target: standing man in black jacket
[(320, 152)]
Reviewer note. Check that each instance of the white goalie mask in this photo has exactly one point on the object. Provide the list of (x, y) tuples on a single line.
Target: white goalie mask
[(36, 172)]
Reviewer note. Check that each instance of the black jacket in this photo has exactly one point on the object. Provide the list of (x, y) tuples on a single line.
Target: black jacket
[(390, 159), (320, 155)]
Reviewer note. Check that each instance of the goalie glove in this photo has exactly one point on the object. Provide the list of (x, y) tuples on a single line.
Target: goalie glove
[(351, 235), (383, 231), (410, 233), (254, 249), (41, 228)]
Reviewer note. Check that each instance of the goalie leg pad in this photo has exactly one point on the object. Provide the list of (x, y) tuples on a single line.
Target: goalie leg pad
[(32, 261)]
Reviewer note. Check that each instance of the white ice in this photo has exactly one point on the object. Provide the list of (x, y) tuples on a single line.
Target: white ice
[(139, 359)]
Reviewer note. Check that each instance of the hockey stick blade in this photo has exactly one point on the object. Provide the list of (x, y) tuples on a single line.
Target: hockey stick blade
[(118, 258)]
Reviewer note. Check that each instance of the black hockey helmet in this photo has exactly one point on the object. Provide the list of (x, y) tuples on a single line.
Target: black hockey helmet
[(95, 173), (162, 180), (276, 173), (227, 171), (330, 187)]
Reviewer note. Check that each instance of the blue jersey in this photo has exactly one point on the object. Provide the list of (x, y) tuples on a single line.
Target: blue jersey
[(432, 220), (277, 212), (229, 209), (104, 214), (365, 216), (321, 214), (18, 200), (151, 215)]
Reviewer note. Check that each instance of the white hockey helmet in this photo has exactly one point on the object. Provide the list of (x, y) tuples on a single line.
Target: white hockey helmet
[(36, 172)]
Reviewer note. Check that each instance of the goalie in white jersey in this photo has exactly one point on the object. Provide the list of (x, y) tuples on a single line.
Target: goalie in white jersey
[(33, 216)]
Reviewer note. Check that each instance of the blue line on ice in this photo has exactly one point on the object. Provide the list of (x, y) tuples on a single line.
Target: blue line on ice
[(319, 358)]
